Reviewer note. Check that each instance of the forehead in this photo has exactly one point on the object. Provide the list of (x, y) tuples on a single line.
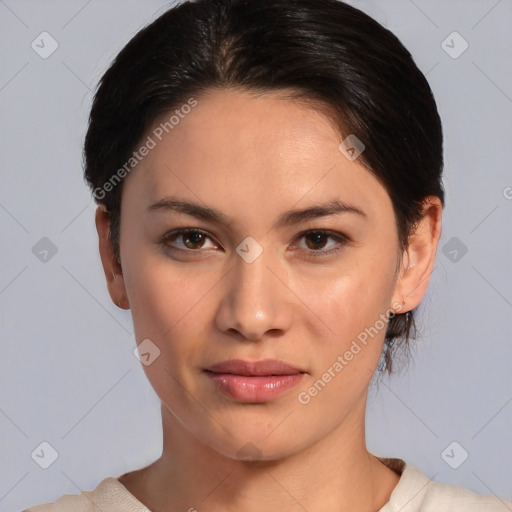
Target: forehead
[(226, 122), (253, 151)]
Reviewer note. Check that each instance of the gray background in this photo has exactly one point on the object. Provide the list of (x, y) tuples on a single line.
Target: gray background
[(68, 373)]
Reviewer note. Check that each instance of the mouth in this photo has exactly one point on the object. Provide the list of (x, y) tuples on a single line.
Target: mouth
[(254, 381)]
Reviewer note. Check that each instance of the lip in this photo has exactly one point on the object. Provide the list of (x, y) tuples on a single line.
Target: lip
[(254, 381), (265, 367)]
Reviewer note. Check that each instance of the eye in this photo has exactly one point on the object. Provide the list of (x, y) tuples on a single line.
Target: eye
[(316, 241), (193, 239)]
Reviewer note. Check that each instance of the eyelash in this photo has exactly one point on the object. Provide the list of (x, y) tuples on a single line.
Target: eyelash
[(339, 237)]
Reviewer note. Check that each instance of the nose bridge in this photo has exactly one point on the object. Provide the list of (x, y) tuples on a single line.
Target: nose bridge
[(253, 301), (251, 280)]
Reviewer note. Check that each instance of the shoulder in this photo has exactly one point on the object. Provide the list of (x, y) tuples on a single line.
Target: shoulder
[(109, 496), (416, 492), (439, 496)]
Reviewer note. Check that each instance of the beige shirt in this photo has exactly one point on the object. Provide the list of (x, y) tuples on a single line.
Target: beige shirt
[(415, 492)]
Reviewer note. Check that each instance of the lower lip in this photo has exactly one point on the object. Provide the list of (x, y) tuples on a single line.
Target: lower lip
[(254, 389)]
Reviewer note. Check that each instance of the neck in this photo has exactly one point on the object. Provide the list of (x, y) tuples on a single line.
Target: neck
[(334, 474)]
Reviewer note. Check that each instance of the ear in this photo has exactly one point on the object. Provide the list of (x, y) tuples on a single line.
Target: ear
[(419, 259), (111, 267)]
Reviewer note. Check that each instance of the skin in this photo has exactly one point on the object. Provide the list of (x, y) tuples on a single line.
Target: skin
[(253, 158)]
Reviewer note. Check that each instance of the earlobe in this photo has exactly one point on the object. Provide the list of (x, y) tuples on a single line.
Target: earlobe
[(111, 266), (419, 258)]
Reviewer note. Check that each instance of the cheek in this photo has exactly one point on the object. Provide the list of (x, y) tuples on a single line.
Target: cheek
[(348, 298), (168, 308), (162, 301), (354, 309)]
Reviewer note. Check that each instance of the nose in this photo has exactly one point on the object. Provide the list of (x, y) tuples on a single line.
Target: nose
[(256, 302)]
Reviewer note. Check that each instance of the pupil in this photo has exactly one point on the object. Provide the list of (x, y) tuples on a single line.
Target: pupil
[(317, 238), (195, 238)]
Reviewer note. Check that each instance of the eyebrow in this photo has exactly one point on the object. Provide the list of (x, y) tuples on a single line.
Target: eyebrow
[(289, 218)]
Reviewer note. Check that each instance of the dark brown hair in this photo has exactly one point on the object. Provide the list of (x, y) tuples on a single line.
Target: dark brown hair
[(325, 50)]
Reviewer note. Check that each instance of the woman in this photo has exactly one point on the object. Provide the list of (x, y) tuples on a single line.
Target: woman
[(268, 175)]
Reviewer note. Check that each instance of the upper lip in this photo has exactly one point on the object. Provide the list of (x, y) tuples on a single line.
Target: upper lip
[(254, 368)]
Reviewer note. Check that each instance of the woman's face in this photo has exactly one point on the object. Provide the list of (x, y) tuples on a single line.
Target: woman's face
[(251, 285)]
